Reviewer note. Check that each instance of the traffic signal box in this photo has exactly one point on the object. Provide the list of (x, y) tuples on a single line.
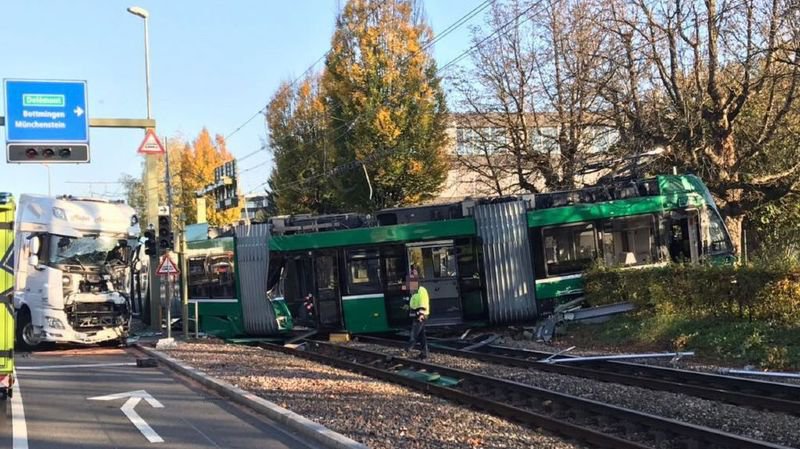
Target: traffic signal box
[(48, 154), (166, 240), (150, 246)]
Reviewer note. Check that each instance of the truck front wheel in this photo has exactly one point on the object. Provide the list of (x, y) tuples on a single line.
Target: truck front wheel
[(26, 335)]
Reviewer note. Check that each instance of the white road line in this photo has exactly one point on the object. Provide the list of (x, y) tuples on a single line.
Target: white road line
[(19, 428), (201, 433), (88, 365)]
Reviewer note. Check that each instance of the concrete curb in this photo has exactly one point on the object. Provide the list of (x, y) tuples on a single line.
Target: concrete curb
[(302, 425)]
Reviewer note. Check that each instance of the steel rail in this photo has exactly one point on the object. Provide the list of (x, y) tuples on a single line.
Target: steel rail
[(596, 423), (771, 396)]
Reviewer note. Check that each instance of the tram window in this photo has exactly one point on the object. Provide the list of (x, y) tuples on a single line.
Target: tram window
[(433, 262), (717, 234), (363, 271), (394, 267), (223, 284), (629, 241), (326, 274), (569, 249)]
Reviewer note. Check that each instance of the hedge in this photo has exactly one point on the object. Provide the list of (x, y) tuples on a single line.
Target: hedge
[(770, 294)]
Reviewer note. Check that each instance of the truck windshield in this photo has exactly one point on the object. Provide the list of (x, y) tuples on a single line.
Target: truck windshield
[(89, 250)]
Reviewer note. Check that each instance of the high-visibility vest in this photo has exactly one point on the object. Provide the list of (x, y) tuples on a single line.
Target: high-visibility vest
[(420, 300)]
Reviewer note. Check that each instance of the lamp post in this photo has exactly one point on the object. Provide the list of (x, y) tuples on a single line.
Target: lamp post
[(141, 12), (150, 180)]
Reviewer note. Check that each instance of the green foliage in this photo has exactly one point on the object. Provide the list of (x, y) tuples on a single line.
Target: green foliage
[(384, 95), (747, 314), (298, 126), (763, 293)]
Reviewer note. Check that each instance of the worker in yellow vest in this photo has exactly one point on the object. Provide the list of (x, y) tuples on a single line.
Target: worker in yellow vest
[(419, 306)]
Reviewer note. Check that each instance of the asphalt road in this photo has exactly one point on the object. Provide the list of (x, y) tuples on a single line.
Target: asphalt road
[(170, 411)]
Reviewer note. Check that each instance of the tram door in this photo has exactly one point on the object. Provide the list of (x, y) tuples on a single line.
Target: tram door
[(328, 298), (684, 238), (437, 268)]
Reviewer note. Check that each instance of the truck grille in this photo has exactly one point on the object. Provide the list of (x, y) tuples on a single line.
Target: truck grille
[(86, 316)]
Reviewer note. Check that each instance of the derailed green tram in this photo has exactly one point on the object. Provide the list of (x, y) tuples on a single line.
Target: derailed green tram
[(484, 261)]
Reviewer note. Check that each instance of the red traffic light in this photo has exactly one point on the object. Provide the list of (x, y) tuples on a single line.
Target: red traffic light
[(31, 153)]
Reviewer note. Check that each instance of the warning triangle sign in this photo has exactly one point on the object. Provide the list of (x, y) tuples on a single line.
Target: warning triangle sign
[(151, 144), (167, 266)]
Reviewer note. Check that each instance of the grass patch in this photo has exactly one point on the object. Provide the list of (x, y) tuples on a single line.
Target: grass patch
[(720, 341)]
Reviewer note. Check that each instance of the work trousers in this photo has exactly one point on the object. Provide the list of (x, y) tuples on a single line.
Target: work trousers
[(418, 336)]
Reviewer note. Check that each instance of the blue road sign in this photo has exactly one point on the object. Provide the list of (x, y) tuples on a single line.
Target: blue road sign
[(46, 111)]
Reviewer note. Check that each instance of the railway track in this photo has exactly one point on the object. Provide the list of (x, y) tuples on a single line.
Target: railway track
[(750, 393), (592, 422)]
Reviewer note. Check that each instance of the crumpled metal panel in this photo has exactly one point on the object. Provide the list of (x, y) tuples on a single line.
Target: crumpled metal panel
[(252, 263), (510, 292)]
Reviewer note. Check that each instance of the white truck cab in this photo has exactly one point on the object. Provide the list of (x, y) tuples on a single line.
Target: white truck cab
[(72, 260)]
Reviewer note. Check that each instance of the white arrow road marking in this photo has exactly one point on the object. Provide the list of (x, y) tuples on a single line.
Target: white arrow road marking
[(134, 397), (78, 111)]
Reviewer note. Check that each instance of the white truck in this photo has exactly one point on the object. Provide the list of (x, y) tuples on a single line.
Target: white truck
[(72, 259)]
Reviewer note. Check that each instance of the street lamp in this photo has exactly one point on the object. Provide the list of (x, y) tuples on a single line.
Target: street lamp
[(150, 181), (141, 12)]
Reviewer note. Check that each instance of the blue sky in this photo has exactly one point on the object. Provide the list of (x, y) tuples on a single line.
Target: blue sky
[(213, 64)]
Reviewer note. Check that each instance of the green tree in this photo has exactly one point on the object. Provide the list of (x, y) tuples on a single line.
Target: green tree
[(386, 105), (297, 120)]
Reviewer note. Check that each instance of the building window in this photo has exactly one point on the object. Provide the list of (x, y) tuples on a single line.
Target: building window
[(544, 140), (363, 272), (476, 141), (629, 241), (569, 249)]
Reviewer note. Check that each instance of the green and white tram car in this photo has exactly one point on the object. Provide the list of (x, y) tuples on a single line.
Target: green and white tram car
[(484, 261)]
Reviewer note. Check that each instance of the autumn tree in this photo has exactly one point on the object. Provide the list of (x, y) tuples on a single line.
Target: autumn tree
[(717, 85), (385, 104), (192, 169), (529, 102), (298, 126)]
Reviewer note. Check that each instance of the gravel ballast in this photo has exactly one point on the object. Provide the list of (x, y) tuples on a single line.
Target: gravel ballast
[(773, 427), (376, 413)]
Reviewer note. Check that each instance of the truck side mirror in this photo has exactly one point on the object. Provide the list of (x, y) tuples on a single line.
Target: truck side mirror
[(33, 260)]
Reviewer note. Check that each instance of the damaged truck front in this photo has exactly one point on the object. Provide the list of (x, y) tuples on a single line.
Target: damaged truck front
[(73, 264)]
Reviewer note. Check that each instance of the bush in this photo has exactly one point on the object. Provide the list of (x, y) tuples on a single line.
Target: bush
[(763, 293)]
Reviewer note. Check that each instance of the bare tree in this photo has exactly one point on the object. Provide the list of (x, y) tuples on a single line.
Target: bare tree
[(529, 102), (716, 83)]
